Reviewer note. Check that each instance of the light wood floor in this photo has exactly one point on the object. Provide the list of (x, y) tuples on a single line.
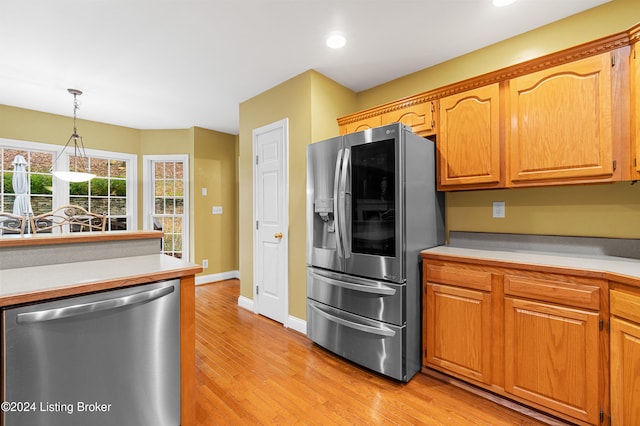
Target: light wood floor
[(251, 370)]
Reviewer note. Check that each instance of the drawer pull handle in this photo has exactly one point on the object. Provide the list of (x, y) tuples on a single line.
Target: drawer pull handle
[(375, 289), (380, 331)]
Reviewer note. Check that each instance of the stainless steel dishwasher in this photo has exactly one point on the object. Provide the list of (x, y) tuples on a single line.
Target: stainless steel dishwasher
[(109, 358)]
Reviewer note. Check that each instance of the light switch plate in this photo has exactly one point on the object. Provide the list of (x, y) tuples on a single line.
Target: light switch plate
[(216, 210), (498, 209), (204, 192)]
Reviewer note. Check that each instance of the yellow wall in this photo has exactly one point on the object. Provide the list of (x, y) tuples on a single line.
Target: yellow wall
[(204, 147), (609, 18), (311, 102), (594, 210), (605, 210), (34, 126), (215, 167)]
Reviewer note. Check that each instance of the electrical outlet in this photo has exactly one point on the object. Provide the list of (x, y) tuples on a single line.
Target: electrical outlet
[(205, 263), (498, 209)]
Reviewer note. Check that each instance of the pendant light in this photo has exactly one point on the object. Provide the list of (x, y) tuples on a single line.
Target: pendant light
[(79, 155)]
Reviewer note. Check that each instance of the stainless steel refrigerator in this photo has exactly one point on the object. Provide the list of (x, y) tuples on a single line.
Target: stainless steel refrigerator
[(372, 205)]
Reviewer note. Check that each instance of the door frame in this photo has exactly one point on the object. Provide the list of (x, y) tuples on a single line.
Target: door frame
[(284, 125)]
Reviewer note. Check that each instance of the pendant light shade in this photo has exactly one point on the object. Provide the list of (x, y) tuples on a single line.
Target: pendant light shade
[(79, 155)]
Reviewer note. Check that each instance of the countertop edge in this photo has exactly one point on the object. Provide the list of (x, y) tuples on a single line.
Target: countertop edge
[(170, 268), (76, 237), (626, 271)]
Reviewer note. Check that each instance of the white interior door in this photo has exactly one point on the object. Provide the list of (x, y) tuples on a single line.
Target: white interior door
[(270, 209)]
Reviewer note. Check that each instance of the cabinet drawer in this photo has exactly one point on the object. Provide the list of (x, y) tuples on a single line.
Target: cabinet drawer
[(370, 343), (625, 305), (567, 293), (479, 280)]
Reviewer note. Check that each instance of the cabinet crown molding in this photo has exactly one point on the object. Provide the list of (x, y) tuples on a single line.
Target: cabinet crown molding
[(595, 47)]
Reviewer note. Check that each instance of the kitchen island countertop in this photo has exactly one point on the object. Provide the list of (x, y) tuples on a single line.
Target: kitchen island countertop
[(31, 284)]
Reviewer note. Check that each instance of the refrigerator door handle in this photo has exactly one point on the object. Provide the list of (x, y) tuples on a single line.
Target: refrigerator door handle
[(343, 203), (380, 289), (380, 331), (87, 308), (336, 216)]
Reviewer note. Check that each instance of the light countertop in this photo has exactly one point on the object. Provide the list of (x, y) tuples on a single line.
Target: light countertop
[(30, 284), (609, 267)]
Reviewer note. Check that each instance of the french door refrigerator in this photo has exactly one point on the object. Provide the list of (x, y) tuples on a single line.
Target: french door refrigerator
[(372, 206)]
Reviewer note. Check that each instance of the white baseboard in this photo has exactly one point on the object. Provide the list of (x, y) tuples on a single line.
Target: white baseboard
[(297, 324), (245, 303), (211, 278), (293, 323)]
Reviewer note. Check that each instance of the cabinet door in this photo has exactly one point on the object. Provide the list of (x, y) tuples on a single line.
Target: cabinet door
[(552, 357), (635, 110), (625, 373), (469, 143), (561, 123), (364, 124), (421, 118), (459, 331)]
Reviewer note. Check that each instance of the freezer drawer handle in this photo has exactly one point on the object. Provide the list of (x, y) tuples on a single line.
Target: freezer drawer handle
[(87, 308), (380, 331), (382, 290)]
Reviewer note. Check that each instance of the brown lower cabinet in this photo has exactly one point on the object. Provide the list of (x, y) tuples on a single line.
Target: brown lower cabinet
[(533, 337), (552, 356), (625, 358)]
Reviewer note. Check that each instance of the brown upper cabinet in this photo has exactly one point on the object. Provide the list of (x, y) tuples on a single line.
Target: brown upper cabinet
[(420, 114), (361, 124), (561, 123), (469, 143), (635, 102), (570, 117)]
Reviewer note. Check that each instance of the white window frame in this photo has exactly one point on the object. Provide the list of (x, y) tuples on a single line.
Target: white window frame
[(148, 191), (60, 195)]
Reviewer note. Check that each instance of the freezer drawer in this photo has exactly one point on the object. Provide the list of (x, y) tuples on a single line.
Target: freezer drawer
[(372, 344), (108, 358), (378, 300)]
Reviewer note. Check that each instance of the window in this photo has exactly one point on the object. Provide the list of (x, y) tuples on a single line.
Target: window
[(106, 193), (39, 179), (112, 192), (166, 201)]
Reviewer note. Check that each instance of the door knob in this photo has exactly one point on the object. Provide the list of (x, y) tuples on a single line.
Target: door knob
[(278, 235)]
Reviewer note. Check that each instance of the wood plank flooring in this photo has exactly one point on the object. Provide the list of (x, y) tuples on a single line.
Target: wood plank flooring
[(251, 370)]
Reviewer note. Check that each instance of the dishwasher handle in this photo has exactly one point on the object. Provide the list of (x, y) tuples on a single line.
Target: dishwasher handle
[(87, 308)]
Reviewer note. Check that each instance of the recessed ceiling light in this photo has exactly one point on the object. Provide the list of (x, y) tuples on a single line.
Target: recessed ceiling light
[(501, 3), (336, 41)]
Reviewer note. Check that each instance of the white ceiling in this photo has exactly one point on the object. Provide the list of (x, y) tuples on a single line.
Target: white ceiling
[(172, 64)]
